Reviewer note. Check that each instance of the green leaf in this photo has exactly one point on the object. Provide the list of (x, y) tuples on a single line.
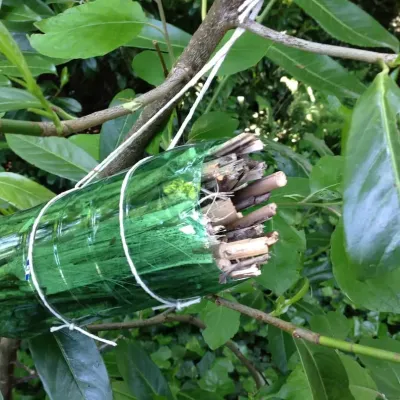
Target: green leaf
[(213, 125), (361, 385), (88, 142), (345, 21), (153, 30), (318, 145), (247, 51), (385, 374), (16, 99), (291, 163), (198, 394), (4, 81), (296, 190), (282, 270), (154, 75), (332, 324), (326, 178), (113, 132), (84, 31), (281, 347), (379, 293), (318, 71), (121, 391), (141, 375), (296, 387), (70, 363), (21, 192), (371, 210), (37, 64), (53, 154), (222, 324), (325, 373), (1, 396), (10, 49)]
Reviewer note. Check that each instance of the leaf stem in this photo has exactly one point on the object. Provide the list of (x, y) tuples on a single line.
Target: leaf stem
[(266, 11), (165, 28), (203, 9), (307, 335), (217, 92)]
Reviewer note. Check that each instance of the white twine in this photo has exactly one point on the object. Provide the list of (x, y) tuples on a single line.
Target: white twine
[(251, 7)]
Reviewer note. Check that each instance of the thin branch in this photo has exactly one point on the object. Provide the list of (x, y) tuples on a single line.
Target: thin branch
[(266, 11), (165, 28), (161, 57), (307, 335), (318, 48), (217, 92), (167, 317), (97, 118)]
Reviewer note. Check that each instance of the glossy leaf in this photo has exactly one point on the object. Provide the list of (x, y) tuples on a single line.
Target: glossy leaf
[(361, 384), (332, 324), (70, 363), (326, 178), (141, 375), (21, 192), (291, 163), (296, 387), (37, 64), (56, 155), (213, 125), (325, 373), (345, 21), (198, 394), (318, 145), (16, 99), (318, 71), (89, 30), (281, 347), (372, 196), (114, 131), (379, 293), (88, 142), (121, 391), (153, 30), (282, 270), (385, 374), (247, 51), (9, 48), (296, 190), (153, 75), (222, 324)]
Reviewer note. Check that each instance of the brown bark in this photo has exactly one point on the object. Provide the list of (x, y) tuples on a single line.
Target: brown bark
[(221, 17), (8, 352)]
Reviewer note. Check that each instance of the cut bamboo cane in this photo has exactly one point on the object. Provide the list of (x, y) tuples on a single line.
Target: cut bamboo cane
[(242, 249), (260, 187), (257, 217)]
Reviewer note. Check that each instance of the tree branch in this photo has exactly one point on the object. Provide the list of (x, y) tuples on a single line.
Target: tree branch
[(307, 335), (167, 317), (221, 17), (97, 118), (8, 352), (318, 48)]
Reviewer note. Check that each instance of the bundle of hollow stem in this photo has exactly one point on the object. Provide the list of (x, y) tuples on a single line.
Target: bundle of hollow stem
[(190, 227)]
